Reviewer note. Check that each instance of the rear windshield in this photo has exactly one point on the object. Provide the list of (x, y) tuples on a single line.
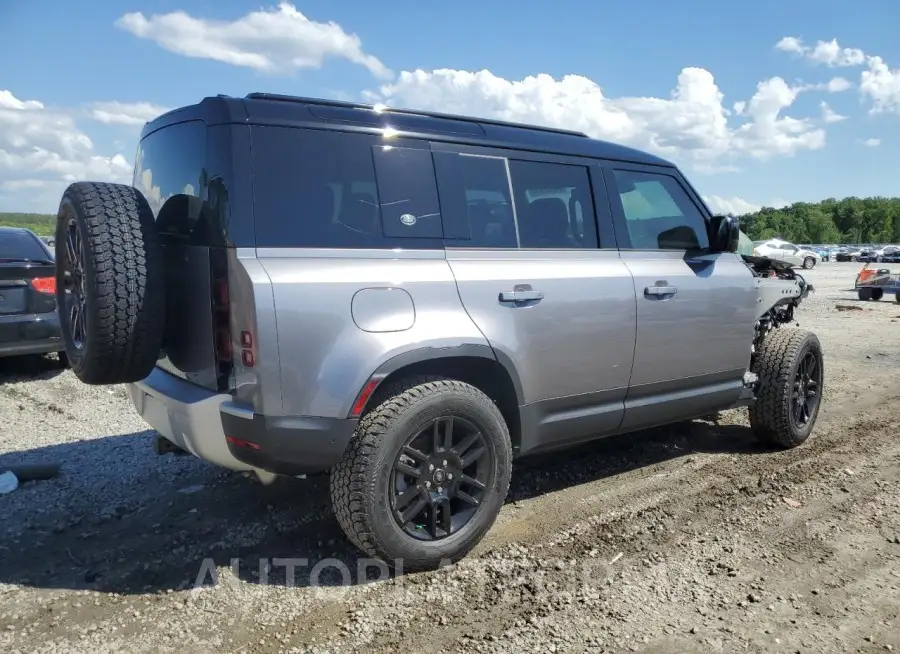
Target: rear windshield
[(169, 173), (22, 246)]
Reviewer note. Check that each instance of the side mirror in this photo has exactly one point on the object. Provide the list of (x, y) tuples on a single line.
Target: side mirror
[(724, 233)]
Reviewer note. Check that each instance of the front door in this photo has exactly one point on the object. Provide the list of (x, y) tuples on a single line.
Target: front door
[(522, 240), (695, 310)]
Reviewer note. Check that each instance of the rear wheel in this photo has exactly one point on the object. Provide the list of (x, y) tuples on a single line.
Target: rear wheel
[(791, 371), (877, 293), (809, 262), (109, 282), (864, 293), (426, 474)]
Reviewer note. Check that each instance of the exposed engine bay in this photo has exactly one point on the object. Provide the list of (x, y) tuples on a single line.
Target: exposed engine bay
[(779, 290)]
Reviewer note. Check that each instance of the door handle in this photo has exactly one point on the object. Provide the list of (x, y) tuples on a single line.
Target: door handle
[(521, 296), (657, 291)]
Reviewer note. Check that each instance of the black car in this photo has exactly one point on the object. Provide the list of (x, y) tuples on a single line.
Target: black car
[(29, 321), (869, 254), (890, 255)]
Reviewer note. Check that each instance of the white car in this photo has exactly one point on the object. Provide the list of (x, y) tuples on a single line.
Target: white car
[(787, 252)]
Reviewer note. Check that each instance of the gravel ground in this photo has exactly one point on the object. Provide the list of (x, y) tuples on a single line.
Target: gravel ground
[(687, 538)]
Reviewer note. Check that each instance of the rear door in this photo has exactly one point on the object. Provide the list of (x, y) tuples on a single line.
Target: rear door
[(542, 283), (695, 310)]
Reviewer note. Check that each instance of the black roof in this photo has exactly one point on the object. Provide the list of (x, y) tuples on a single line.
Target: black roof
[(272, 109)]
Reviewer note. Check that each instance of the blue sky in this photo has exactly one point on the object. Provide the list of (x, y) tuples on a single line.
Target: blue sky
[(733, 92)]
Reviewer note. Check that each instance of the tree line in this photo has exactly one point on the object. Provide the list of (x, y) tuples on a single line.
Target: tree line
[(851, 220), (40, 223)]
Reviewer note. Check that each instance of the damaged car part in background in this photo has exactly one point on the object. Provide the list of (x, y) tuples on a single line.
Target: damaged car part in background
[(410, 301)]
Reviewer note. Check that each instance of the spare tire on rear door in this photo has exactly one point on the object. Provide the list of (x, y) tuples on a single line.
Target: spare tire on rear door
[(109, 282)]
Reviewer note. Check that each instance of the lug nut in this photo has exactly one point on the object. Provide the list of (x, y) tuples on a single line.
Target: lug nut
[(444, 463), (449, 475), (430, 467), (427, 484)]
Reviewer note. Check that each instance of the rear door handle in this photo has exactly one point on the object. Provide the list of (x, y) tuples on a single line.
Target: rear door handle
[(521, 296), (657, 291)]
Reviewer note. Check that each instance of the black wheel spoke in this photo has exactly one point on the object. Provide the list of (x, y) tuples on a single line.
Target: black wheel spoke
[(443, 434), (412, 511), (468, 442), (466, 479), (474, 456), (407, 469), (407, 496), (415, 454), (468, 499)]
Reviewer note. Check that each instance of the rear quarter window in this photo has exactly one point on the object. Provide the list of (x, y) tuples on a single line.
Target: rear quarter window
[(16, 245)]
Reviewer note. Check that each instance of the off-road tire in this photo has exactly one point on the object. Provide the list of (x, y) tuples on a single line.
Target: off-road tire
[(123, 279), (877, 294), (360, 483), (776, 365), (864, 293), (808, 263)]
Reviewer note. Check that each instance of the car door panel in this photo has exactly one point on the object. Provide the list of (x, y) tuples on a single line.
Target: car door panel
[(564, 317), (695, 310)]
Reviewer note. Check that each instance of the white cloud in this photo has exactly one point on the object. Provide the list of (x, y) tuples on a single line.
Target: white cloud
[(829, 53), (733, 205), (872, 143), (691, 125), (829, 115), (882, 85), (126, 113), (42, 149), (270, 40), (838, 84)]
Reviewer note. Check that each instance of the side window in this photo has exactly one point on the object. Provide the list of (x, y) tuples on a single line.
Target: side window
[(322, 189), (169, 172), (554, 205), (407, 193), (659, 213), (475, 201)]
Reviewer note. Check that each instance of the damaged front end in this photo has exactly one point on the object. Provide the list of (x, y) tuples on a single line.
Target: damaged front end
[(780, 289)]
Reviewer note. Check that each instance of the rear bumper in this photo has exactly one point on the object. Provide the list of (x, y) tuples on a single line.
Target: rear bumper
[(30, 334), (212, 427)]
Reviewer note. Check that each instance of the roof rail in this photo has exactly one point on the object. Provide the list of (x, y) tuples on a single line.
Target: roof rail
[(414, 112)]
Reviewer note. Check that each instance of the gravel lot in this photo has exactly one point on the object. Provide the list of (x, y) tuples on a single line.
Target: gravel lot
[(688, 538)]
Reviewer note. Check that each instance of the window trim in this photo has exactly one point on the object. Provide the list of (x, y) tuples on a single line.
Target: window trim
[(603, 218), (623, 236)]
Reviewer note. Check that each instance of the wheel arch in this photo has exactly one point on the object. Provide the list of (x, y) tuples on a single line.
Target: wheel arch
[(476, 364)]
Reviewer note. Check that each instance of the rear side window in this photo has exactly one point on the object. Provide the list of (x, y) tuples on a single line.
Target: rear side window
[(169, 172), (492, 202), (659, 214), (18, 246), (323, 189), (554, 205)]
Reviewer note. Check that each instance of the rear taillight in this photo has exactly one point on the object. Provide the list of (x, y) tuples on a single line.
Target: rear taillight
[(247, 357), (221, 319), (44, 285)]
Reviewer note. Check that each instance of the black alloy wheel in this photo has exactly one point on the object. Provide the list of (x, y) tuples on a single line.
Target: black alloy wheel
[(439, 478)]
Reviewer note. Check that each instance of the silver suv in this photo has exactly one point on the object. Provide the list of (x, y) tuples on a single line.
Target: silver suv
[(410, 300)]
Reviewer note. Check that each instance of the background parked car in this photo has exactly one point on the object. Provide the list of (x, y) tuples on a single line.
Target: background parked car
[(846, 253), (867, 253), (889, 254), (29, 321), (788, 252)]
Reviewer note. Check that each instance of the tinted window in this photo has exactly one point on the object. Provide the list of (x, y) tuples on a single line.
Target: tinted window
[(169, 172), (407, 193), (475, 201), (554, 205), (659, 213), (22, 245), (319, 189)]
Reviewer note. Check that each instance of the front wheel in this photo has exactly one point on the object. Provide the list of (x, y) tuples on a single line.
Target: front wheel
[(791, 371), (425, 475), (808, 263)]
